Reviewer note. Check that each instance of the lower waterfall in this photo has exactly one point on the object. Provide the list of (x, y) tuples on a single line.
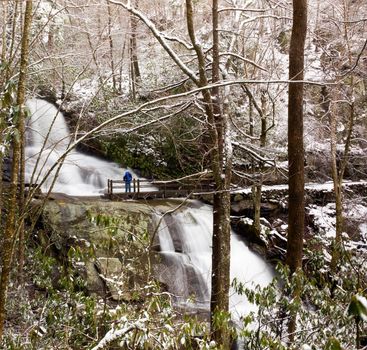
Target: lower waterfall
[(184, 236), (185, 246)]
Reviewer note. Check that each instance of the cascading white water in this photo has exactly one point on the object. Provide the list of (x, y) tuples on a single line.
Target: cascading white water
[(184, 237), (47, 138), (185, 243)]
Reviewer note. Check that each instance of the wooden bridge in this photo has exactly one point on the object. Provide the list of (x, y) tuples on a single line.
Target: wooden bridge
[(145, 189)]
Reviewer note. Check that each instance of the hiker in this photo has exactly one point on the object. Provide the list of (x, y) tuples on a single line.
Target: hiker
[(127, 179)]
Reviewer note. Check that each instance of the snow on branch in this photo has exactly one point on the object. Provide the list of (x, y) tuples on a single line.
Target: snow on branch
[(242, 9), (114, 334), (195, 176), (159, 36), (360, 20), (254, 153), (157, 101), (243, 59), (172, 86), (252, 19), (178, 40)]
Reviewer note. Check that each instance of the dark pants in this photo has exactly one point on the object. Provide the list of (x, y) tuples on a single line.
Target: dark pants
[(127, 186)]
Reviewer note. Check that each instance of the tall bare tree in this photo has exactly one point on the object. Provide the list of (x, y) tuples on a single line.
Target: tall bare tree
[(220, 148), (134, 61), (295, 136), (296, 204), (11, 224), (110, 40), (222, 201), (343, 103)]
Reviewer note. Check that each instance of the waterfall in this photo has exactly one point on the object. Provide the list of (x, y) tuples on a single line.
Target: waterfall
[(185, 239), (184, 236), (47, 138)]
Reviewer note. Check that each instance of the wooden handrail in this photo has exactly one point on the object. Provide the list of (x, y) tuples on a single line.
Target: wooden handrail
[(166, 188)]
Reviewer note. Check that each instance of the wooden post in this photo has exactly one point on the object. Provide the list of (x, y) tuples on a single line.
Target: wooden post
[(134, 185), (138, 185), (111, 183)]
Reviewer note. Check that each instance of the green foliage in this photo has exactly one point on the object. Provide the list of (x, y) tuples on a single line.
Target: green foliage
[(62, 315), (358, 307), (57, 315), (333, 344), (163, 152), (323, 311), (7, 111), (283, 39), (126, 240), (42, 277)]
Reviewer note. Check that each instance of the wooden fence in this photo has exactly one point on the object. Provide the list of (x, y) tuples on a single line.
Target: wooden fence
[(158, 189)]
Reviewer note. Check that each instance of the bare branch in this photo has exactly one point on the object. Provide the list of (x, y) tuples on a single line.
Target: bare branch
[(178, 40), (240, 131), (253, 100), (160, 100), (356, 21), (252, 19), (158, 35), (357, 60), (172, 86), (242, 9), (243, 59), (254, 154)]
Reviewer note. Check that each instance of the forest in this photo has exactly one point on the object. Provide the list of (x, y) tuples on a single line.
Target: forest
[(257, 108)]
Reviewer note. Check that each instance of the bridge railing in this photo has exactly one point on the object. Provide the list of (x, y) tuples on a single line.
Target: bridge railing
[(161, 188)]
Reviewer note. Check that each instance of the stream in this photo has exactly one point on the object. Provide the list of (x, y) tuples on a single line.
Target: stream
[(184, 236)]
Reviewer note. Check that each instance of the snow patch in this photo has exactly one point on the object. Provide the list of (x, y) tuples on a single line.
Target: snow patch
[(324, 218)]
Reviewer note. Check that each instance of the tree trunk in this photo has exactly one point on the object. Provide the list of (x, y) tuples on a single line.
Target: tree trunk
[(3, 80), (2, 127), (264, 120), (110, 40), (338, 172), (134, 62), (21, 194), (220, 154), (219, 303), (257, 188), (10, 226), (295, 137), (5, 29), (338, 176), (12, 42), (337, 246), (121, 68), (256, 198), (295, 147)]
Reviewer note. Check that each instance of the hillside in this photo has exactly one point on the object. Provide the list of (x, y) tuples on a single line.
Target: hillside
[(264, 101)]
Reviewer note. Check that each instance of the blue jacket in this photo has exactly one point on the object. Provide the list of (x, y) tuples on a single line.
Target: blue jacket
[(127, 176)]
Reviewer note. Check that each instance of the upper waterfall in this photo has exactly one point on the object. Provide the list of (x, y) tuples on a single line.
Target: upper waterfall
[(47, 138)]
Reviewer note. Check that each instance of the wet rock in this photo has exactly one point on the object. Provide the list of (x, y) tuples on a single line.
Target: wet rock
[(90, 275), (245, 228), (242, 207), (81, 226), (112, 273)]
